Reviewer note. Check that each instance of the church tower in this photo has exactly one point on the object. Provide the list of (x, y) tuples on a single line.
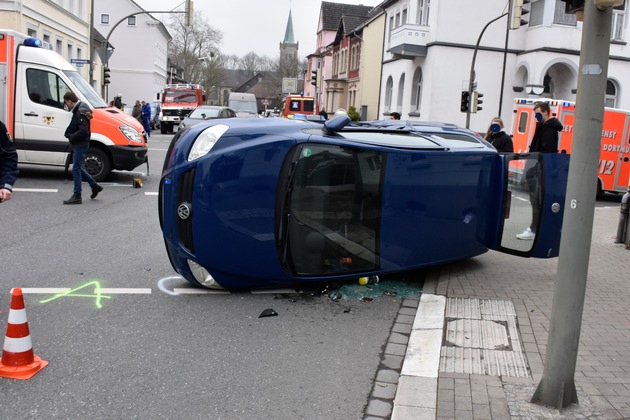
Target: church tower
[(288, 51)]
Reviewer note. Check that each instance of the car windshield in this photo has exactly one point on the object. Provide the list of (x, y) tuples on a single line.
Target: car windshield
[(204, 113), (243, 106), (86, 90), (180, 96)]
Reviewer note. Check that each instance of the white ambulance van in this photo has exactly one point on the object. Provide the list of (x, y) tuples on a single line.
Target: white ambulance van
[(34, 81)]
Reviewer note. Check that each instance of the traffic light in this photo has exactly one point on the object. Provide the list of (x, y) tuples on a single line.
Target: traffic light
[(465, 101), (314, 77), (105, 75), (476, 101), (573, 6), (517, 12)]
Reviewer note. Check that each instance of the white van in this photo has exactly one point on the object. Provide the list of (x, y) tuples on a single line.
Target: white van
[(244, 104)]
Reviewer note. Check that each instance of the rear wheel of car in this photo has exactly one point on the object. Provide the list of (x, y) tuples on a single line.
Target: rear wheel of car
[(98, 164), (163, 128)]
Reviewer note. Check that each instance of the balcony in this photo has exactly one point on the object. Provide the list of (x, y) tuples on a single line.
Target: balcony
[(409, 41)]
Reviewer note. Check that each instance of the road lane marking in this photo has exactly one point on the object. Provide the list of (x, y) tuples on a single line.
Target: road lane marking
[(45, 190), (126, 291), (151, 193), (109, 291), (44, 290), (195, 291)]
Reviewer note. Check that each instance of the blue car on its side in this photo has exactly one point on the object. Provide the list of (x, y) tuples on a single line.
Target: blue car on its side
[(250, 203)]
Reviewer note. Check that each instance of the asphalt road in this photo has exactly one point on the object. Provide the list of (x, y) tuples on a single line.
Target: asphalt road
[(122, 344)]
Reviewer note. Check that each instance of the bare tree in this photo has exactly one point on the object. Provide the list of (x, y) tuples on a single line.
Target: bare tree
[(250, 63), (194, 49)]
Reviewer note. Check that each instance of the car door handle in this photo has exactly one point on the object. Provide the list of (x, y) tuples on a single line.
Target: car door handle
[(31, 114)]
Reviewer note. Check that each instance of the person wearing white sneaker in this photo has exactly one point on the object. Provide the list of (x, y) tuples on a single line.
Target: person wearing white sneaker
[(527, 234), (545, 140)]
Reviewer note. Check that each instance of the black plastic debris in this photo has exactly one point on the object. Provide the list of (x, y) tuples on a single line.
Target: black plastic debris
[(267, 312), (390, 293), (366, 299), (346, 311)]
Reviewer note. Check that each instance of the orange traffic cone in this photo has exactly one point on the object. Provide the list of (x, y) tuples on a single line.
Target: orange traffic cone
[(18, 360)]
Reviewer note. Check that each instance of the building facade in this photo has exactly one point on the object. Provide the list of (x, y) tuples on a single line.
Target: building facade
[(139, 60), (65, 26), (429, 46)]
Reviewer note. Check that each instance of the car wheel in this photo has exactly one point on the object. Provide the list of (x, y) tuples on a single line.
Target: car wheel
[(163, 128), (97, 164)]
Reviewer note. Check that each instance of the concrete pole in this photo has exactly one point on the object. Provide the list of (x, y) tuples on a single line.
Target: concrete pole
[(557, 386)]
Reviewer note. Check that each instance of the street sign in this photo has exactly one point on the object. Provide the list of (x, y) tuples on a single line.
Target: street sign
[(289, 85), (265, 102), (79, 61)]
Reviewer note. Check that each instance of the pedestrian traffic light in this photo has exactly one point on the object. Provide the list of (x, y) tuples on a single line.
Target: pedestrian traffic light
[(517, 12), (314, 77), (476, 101), (105, 75), (465, 101)]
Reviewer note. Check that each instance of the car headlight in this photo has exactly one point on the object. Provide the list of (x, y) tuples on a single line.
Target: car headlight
[(206, 140), (202, 276), (131, 134)]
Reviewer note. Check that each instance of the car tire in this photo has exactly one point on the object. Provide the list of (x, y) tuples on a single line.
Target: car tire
[(163, 128), (98, 164)]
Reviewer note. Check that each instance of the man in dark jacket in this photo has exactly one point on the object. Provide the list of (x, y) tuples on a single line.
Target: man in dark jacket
[(8, 164), (545, 140), (78, 134)]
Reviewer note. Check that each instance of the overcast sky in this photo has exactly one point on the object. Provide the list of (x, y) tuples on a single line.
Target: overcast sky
[(256, 25)]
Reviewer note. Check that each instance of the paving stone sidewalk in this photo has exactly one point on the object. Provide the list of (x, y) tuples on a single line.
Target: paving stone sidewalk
[(603, 366), (526, 285)]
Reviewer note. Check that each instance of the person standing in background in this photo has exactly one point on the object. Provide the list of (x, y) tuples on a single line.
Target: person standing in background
[(136, 112), (498, 138), (146, 117)]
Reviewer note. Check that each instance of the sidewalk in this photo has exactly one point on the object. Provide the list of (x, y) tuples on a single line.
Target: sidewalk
[(477, 344)]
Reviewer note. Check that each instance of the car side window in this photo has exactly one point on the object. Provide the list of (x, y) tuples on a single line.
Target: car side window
[(46, 88)]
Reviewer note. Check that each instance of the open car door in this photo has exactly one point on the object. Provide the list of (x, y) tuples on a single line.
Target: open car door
[(532, 191)]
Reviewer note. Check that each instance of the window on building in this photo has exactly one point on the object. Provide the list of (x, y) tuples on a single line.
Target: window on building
[(391, 28), (31, 32), (401, 92), (389, 87), (423, 12), (131, 21), (618, 21), (79, 53), (416, 94), (611, 94), (69, 52), (536, 13), (404, 16), (105, 19), (397, 19), (59, 47), (47, 38), (561, 18)]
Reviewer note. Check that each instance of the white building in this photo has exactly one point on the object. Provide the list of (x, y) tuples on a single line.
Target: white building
[(138, 64), (429, 47)]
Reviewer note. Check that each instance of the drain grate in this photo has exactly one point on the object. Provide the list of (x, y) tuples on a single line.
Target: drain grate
[(481, 337)]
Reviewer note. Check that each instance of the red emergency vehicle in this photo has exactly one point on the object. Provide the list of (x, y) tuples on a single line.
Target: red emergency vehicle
[(178, 101), (614, 158), (297, 104)]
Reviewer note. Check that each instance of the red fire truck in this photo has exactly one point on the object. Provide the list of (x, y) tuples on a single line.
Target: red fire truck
[(177, 102), (296, 104)]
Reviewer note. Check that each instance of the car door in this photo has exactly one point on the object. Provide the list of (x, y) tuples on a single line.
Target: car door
[(40, 116), (530, 194)]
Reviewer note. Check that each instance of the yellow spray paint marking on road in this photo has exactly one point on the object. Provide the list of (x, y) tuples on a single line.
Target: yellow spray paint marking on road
[(71, 293)]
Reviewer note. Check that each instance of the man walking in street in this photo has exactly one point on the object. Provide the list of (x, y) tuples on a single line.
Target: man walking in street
[(8, 164), (146, 117), (78, 134), (545, 140)]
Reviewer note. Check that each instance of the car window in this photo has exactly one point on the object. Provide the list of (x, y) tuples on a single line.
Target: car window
[(204, 113), (403, 140)]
